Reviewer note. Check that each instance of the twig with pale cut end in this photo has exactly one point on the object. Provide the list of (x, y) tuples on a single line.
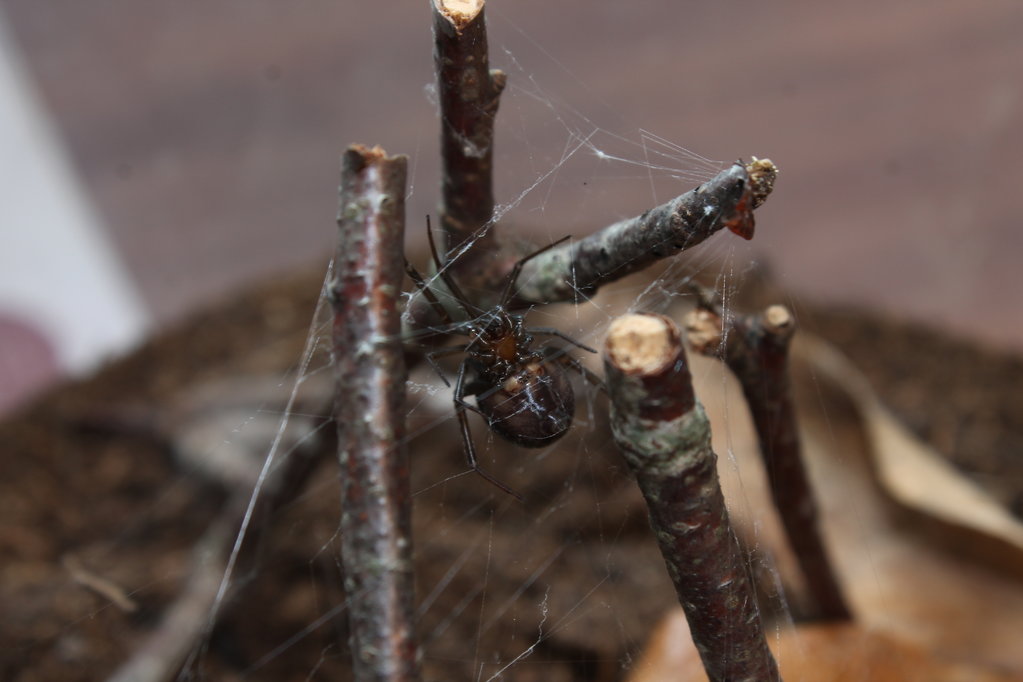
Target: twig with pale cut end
[(579, 268), (755, 348), (469, 96), (664, 435), (376, 546)]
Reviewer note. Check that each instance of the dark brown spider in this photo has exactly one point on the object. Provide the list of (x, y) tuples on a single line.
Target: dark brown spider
[(522, 392)]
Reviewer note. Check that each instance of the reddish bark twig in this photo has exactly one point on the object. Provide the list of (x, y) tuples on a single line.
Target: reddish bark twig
[(755, 348), (376, 547), (580, 267), (469, 96), (664, 435)]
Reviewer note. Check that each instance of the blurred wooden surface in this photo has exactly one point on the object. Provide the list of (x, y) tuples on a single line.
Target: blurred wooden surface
[(209, 134)]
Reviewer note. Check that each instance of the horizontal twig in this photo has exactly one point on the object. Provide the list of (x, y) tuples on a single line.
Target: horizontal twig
[(664, 435)]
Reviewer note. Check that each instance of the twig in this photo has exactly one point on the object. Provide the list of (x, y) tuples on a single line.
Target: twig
[(376, 547), (104, 587), (728, 200), (755, 348), (469, 96), (664, 435), (184, 622), (189, 618)]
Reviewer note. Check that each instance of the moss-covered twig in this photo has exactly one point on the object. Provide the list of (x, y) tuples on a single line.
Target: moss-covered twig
[(376, 547), (579, 268), (755, 348), (664, 435)]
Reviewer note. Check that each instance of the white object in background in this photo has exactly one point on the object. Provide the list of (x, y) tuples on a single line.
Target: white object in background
[(59, 274)]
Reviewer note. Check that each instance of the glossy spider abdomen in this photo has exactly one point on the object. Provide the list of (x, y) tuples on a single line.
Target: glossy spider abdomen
[(532, 407)]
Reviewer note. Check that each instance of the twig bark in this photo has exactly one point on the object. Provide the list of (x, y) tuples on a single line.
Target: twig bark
[(469, 96), (755, 348), (376, 547), (579, 268), (664, 435)]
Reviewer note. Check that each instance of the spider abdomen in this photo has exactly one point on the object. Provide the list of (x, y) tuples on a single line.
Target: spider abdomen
[(532, 407)]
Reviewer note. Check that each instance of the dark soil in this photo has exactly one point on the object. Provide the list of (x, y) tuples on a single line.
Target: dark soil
[(92, 477), (966, 401)]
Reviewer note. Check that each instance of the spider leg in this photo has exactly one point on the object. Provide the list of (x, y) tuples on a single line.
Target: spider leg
[(550, 331), (509, 288), (463, 422), (424, 288), (430, 359), (463, 301), (560, 356)]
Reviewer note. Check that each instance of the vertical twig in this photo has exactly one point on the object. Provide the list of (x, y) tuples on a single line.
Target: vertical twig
[(469, 96), (376, 548), (755, 348), (664, 435)]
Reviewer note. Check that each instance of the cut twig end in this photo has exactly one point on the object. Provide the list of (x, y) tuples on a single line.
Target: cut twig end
[(368, 154), (762, 174), (664, 435), (779, 321), (703, 331), (358, 157), (647, 375), (459, 12), (641, 343)]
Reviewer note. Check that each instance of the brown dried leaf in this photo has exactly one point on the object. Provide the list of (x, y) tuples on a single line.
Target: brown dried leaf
[(915, 475), (821, 653)]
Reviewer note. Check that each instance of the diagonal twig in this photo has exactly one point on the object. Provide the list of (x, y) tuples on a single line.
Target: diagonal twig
[(469, 97), (664, 435), (376, 546), (628, 246), (755, 348), (171, 649)]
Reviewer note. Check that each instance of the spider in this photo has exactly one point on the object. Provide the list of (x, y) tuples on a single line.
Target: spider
[(522, 392)]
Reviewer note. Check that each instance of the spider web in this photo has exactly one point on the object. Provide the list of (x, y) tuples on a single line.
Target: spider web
[(511, 589), (538, 578), (569, 584)]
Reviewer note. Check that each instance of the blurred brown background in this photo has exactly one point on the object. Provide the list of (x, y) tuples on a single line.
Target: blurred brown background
[(208, 134)]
